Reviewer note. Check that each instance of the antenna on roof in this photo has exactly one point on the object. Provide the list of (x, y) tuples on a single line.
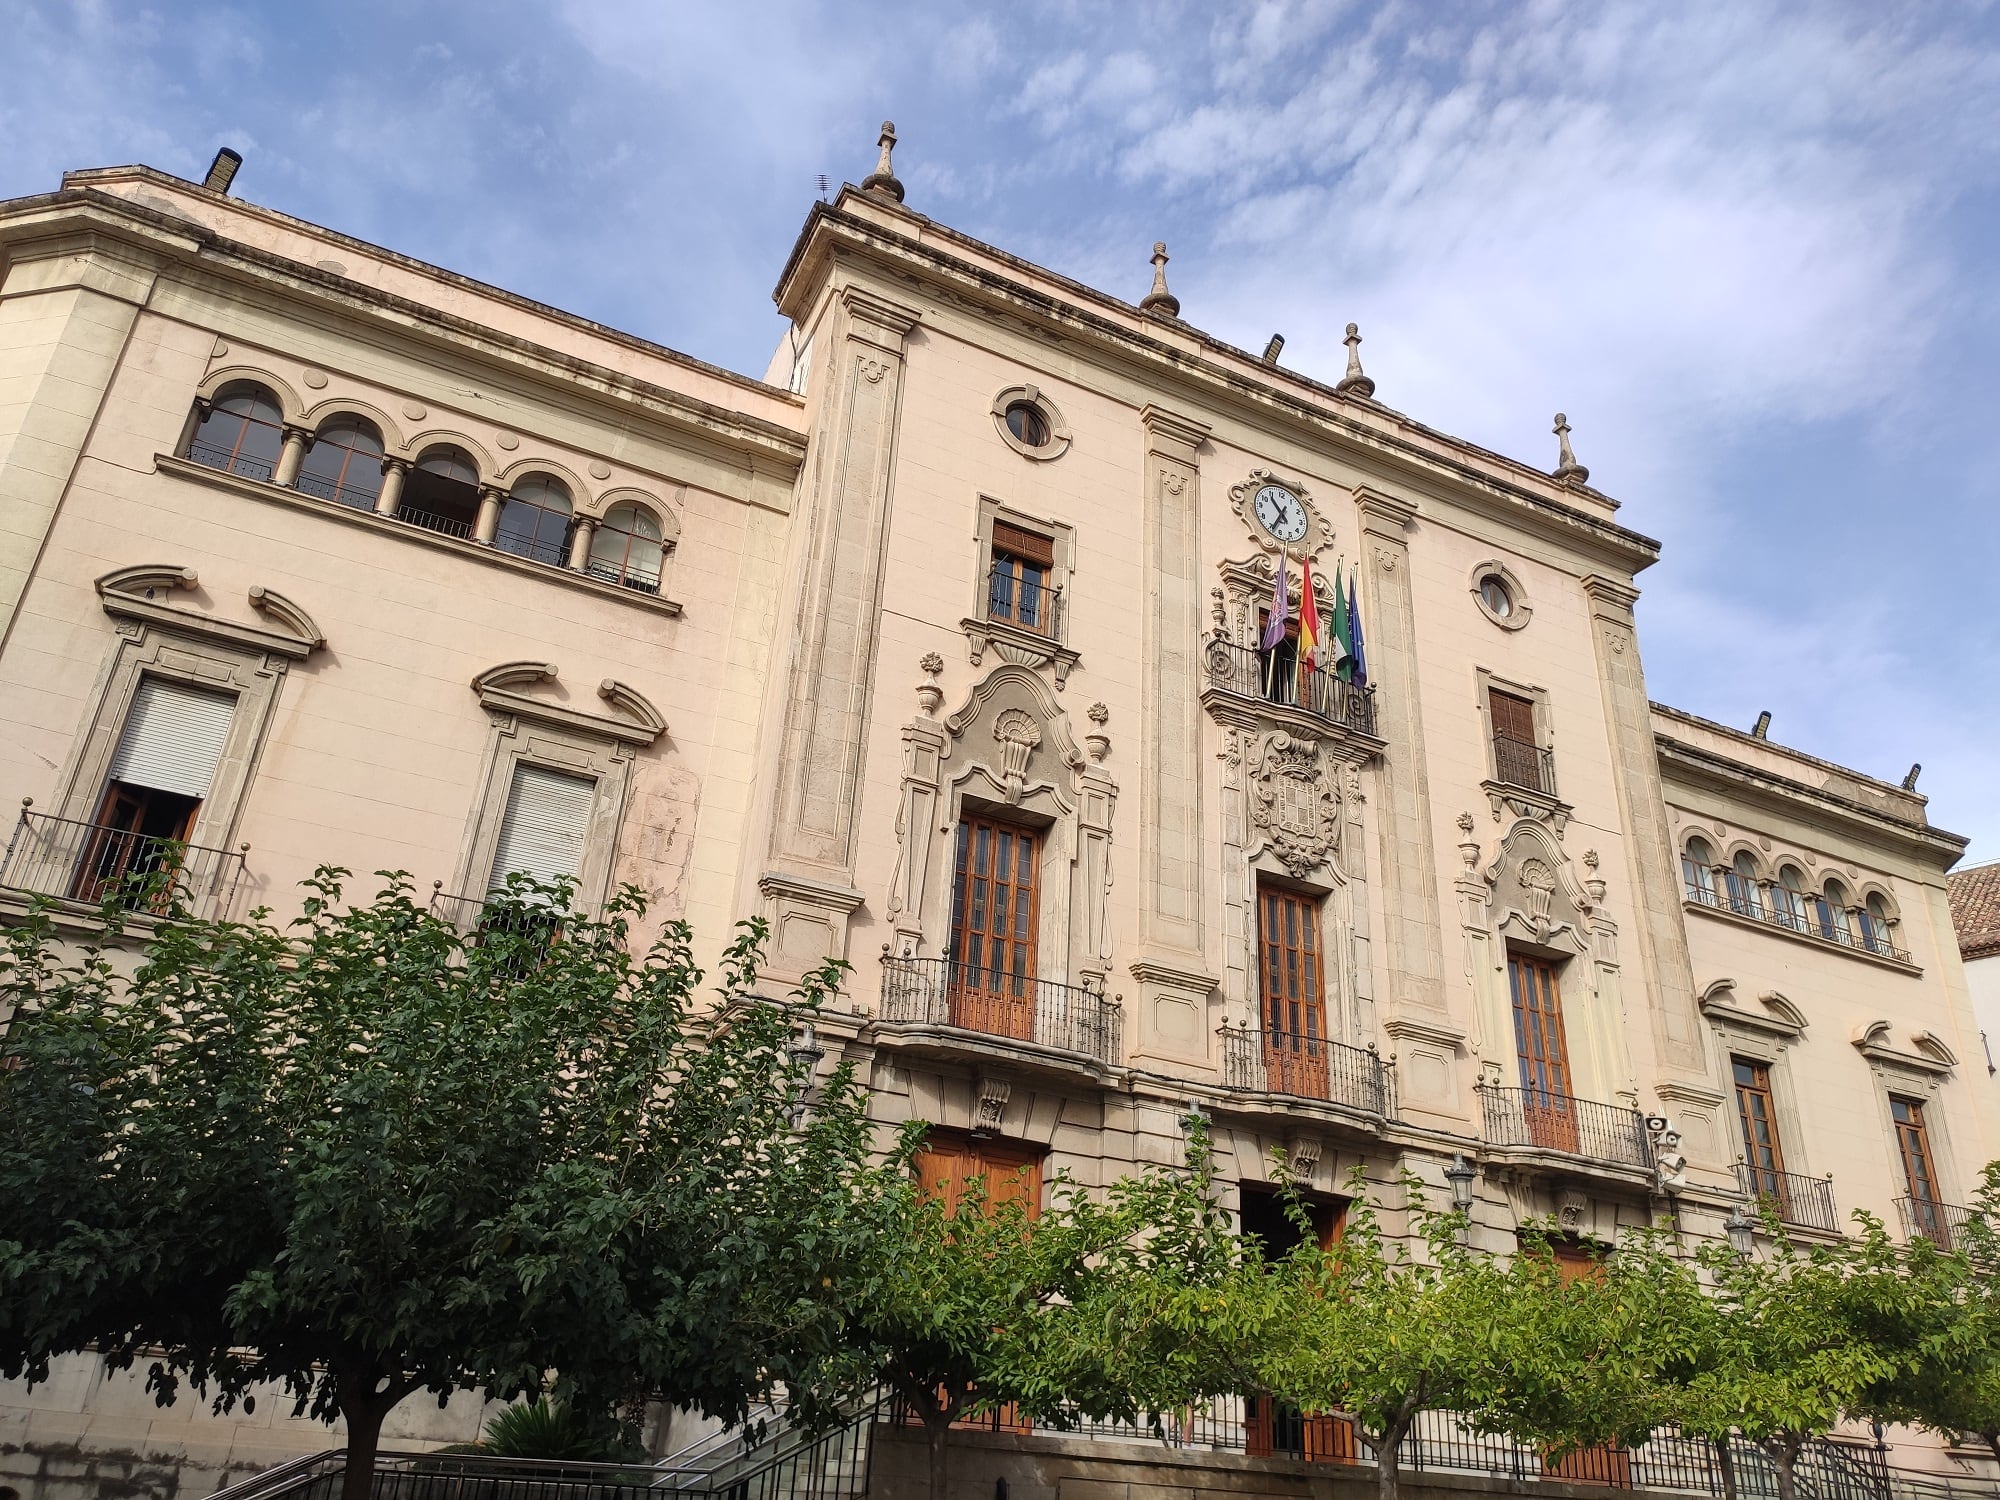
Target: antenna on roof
[(1763, 729), (825, 185)]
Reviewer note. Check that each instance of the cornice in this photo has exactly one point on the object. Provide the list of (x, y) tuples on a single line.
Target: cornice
[(1158, 353), (297, 287)]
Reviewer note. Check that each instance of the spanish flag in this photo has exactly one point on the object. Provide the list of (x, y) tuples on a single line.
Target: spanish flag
[(1309, 635)]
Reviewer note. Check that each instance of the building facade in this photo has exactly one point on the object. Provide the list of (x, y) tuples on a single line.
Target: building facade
[(946, 647)]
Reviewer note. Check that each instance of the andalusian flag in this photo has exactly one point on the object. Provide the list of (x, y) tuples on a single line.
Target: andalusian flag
[(1343, 629), (1309, 634)]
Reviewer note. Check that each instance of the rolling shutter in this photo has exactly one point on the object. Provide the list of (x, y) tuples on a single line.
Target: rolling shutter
[(542, 833), (1025, 545), (173, 737)]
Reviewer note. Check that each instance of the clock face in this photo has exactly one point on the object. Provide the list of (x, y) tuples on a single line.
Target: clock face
[(1280, 513)]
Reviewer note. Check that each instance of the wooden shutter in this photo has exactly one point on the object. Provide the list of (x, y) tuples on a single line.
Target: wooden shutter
[(1009, 1172), (542, 833), (1028, 546), (1912, 1141), (173, 737), (995, 921), (1538, 1024), (1760, 1127), (1513, 717), (1295, 1056)]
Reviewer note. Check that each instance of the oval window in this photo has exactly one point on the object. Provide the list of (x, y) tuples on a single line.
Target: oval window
[(1026, 421)]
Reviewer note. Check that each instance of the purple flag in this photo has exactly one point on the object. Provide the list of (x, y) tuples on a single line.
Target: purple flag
[(1281, 611), (1354, 609)]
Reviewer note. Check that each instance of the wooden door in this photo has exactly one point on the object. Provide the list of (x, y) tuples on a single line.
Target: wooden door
[(1913, 1145), (1517, 755), (126, 838), (995, 911), (1544, 1054), (1755, 1113), (1295, 1059), (1604, 1463)]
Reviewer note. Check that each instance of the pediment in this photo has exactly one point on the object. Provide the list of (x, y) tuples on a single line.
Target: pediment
[(532, 690), (1771, 1014), (152, 593), (1926, 1052)]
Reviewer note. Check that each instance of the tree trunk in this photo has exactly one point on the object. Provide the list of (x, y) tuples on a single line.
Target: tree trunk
[(1993, 1442), (364, 1436), (1784, 1453), (1725, 1461), (1389, 1457), (936, 1430)]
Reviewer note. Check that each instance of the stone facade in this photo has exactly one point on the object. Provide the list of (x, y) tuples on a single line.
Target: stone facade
[(796, 711)]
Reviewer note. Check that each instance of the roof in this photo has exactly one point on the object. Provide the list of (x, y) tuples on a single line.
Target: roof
[(1975, 908)]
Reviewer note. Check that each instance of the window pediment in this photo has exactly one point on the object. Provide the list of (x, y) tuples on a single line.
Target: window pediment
[(1773, 1016), (1926, 1055), (523, 688), (146, 593)]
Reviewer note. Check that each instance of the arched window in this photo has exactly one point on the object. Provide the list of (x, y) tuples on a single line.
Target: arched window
[(628, 548), (442, 493), (1741, 879), (535, 521), (1831, 909), (240, 433), (1788, 898), (1873, 916), (1698, 871), (344, 463)]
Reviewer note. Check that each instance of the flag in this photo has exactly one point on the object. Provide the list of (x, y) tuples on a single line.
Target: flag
[(1354, 612), (1309, 633), (1342, 649), (1281, 610)]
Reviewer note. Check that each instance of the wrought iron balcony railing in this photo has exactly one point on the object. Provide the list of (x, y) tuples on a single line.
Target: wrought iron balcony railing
[(1530, 767), (1305, 1067), (1015, 601), (1275, 677), (353, 496), (1794, 1197), (430, 520), (944, 992), (1575, 1127), (1943, 1224), (231, 461), (90, 862), (1803, 912)]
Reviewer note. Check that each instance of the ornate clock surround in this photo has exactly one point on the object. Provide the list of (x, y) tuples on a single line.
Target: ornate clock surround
[(1242, 498)]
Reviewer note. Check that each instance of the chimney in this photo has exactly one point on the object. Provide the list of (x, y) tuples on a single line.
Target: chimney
[(222, 171)]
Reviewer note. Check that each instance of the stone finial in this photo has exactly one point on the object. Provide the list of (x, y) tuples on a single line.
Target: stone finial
[(1354, 382), (883, 178), (1568, 470), (1097, 744), (1159, 299), (929, 694)]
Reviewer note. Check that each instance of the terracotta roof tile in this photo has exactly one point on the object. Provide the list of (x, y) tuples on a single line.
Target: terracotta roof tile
[(1975, 908)]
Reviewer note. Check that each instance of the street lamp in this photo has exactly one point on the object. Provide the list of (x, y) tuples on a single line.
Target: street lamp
[(1742, 1232), (805, 1052), (1461, 1174)]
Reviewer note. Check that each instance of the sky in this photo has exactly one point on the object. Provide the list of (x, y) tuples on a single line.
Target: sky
[(1748, 248)]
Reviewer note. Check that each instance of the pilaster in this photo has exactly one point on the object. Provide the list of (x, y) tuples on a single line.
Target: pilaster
[(1414, 950), (1665, 968)]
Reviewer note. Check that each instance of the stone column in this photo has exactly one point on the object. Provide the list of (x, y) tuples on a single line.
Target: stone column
[(1173, 1017), (1414, 954), (488, 523), (394, 472), (830, 680), (297, 440), (1664, 968), (580, 537)]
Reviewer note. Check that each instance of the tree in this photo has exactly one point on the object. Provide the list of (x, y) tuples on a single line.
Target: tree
[(363, 1156)]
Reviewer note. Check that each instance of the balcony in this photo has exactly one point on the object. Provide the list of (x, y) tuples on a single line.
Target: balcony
[(1799, 1201), (1305, 1067), (1524, 766), (1545, 1121), (1943, 1224), (942, 992), (93, 862), (1034, 607), (1272, 677), (1802, 914)]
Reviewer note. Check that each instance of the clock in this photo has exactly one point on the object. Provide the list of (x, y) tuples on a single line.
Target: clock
[(1280, 513)]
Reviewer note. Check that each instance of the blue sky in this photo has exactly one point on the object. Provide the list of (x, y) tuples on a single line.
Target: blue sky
[(1748, 248)]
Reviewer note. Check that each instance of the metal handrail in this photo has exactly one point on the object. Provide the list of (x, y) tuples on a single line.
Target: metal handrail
[(1558, 1122), (92, 862), (1803, 912), (967, 997), (1529, 767), (354, 497), (1275, 678), (430, 520), (231, 461), (1926, 1218), (1304, 1067), (1034, 607), (1793, 1196)]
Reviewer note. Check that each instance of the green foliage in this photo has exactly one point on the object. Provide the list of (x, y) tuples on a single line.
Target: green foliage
[(555, 1430), (361, 1156)]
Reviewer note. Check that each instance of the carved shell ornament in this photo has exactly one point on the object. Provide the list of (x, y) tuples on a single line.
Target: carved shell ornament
[(1018, 734)]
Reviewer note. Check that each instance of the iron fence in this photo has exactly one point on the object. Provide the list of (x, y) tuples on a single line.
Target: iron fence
[(945, 992), (1943, 1224), (1794, 1197), (626, 578), (232, 461), (1576, 1127), (1278, 677), (354, 496), (554, 554), (430, 520), (1014, 600), (1809, 915), (93, 862), (1304, 1067), (1530, 767)]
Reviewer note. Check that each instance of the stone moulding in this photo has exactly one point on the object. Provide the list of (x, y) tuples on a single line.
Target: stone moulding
[(500, 690), (145, 593)]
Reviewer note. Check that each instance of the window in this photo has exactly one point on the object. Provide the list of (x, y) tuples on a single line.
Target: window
[(1698, 870), (1788, 900), (1745, 892), (1831, 910), (1914, 1146), (442, 493), (1498, 599), (1873, 918), (1263, 1218), (534, 522), (344, 464), (628, 548), (994, 915), (542, 833), (1008, 1171), (1029, 423), (1026, 422), (159, 775), (1018, 588), (241, 433), (1294, 997), (1757, 1114), (1518, 758), (1543, 1052)]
